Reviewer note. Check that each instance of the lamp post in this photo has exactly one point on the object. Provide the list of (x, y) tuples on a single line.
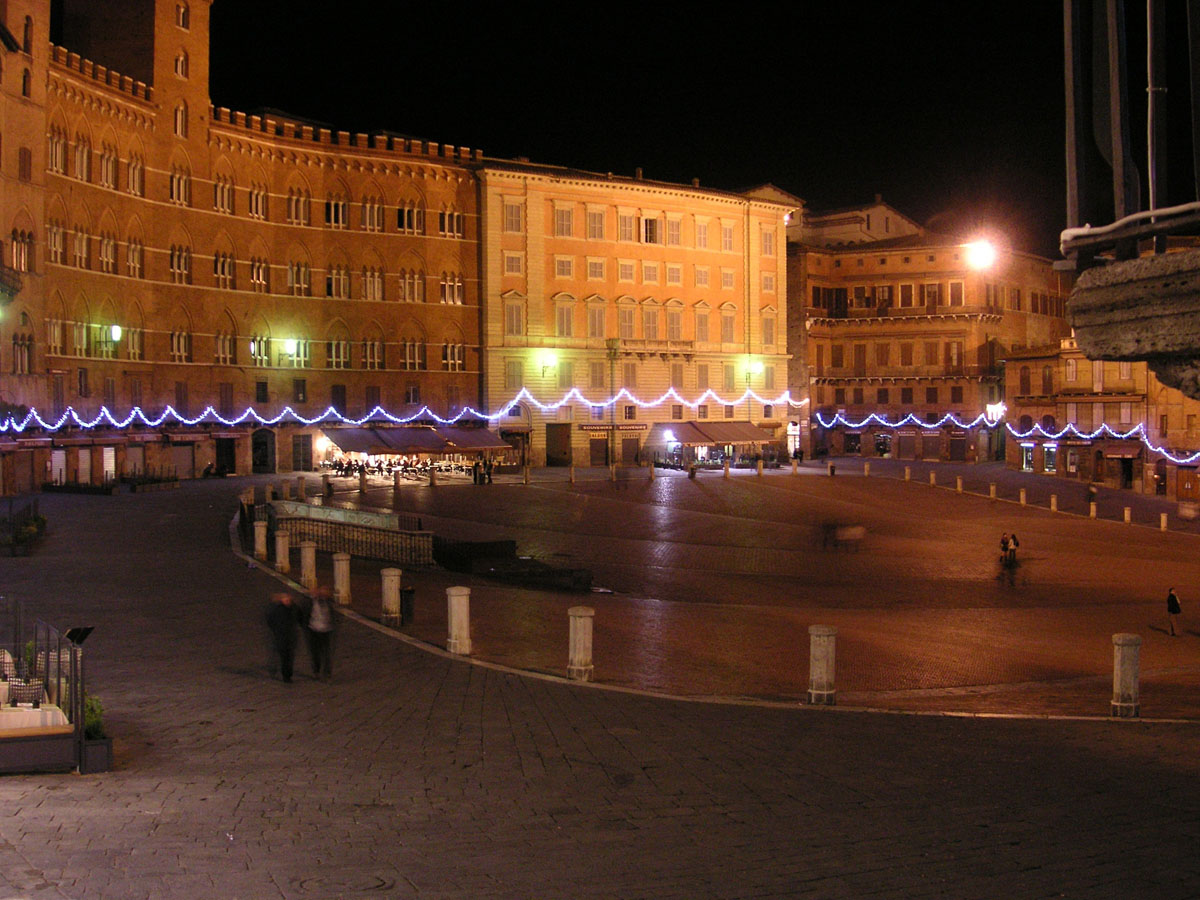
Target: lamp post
[(613, 345)]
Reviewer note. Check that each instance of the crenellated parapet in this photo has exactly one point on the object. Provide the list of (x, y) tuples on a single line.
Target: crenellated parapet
[(67, 59), (304, 139)]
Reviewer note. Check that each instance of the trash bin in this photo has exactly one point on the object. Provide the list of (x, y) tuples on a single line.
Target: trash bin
[(407, 594)]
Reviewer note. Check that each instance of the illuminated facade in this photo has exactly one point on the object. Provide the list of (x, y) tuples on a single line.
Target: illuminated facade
[(907, 324), (603, 283), (1056, 386), (244, 260)]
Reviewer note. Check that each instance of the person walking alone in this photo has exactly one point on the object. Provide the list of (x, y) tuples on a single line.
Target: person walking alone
[(320, 635), (1173, 610)]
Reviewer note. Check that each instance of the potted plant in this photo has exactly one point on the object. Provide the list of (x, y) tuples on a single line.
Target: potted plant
[(97, 746)]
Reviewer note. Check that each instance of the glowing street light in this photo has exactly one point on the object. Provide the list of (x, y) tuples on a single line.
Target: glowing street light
[(548, 360), (981, 254), (289, 346), (115, 333)]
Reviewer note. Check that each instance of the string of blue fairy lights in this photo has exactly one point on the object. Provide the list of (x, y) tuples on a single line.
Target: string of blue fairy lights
[(137, 417)]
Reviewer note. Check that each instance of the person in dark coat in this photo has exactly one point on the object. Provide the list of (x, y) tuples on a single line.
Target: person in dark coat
[(281, 620), (1173, 610)]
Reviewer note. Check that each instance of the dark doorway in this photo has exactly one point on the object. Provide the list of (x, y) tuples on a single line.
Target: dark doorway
[(1160, 477), (558, 444), (852, 443), (629, 451), (302, 453), (958, 449), (226, 455), (1098, 468), (598, 451), (1126, 473), (262, 452)]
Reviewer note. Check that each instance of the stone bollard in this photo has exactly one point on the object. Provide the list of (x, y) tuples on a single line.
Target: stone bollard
[(612, 471), (1126, 650), (1022, 497), (396, 480), (432, 475), (283, 561), (908, 473), (391, 598), (362, 481), (933, 479), (958, 483), (326, 487), (867, 469), (526, 475), (822, 641), (1054, 503), (571, 473), (726, 471), (308, 564), (260, 540), (1092, 510), (1162, 521), (579, 650), (830, 468), (759, 466), (458, 620), (1128, 515), (341, 579), (269, 493), (651, 471), (795, 465), (992, 490), (301, 488)]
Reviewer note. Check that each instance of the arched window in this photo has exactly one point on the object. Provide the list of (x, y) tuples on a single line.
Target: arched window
[(26, 84), (1048, 423), (1026, 423), (181, 64), (1026, 382), (1047, 380), (181, 120), (183, 17), (27, 39)]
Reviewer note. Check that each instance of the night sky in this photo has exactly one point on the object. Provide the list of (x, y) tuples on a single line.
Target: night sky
[(953, 112)]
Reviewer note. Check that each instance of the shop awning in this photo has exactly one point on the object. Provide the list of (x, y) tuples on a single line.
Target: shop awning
[(685, 433), (1122, 452), (734, 433), (412, 439), (357, 440), (468, 439)]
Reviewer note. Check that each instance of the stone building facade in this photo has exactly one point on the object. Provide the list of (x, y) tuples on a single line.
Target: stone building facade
[(910, 324), (600, 283), (1055, 386), (189, 255)]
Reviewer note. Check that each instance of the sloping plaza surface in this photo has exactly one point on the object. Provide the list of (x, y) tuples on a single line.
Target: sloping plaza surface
[(414, 774)]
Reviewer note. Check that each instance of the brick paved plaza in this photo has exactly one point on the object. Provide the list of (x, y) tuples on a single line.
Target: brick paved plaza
[(413, 774)]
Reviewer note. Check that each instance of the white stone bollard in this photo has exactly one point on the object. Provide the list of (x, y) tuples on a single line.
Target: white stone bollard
[(260, 540), (867, 469), (933, 479), (1162, 521), (1054, 503), (579, 650), (1022, 496), (651, 471), (958, 483), (571, 473), (726, 472), (308, 564), (795, 465), (1128, 515), (285, 490), (1126, 650), (362, 481), (396, 480), (301, 488), (992, 490), (283, 562), (458, 620), (822, 645), (1092, 510), (391, 598), (759, 466), (908, 473), (341, 579)]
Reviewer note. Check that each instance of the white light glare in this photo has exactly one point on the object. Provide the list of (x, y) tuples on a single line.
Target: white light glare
[(981, 254)]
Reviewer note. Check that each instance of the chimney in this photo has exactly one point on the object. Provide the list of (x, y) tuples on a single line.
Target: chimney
[(695, 182), (637, 173), (879, 198)]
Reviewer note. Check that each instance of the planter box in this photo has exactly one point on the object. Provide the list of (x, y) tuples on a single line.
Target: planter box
[(97, 756)]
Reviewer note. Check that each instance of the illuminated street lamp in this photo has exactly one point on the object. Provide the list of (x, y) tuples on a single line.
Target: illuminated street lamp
[(115, 333), (548, 360), (981, 254)]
